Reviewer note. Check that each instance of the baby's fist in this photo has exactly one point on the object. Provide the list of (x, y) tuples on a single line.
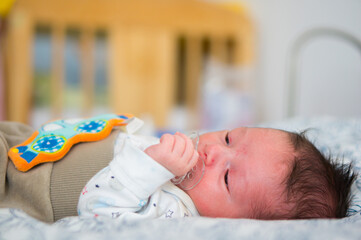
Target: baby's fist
[(174, 152)]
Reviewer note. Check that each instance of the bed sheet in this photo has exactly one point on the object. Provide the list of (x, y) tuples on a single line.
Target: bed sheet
[(337, 136)]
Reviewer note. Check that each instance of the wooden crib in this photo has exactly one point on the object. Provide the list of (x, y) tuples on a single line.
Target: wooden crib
[(156, 51)]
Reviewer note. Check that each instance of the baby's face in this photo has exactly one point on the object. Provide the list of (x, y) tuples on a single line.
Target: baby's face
[(244, 167)]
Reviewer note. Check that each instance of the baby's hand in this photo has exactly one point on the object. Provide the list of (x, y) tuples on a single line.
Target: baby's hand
[(174, 152)]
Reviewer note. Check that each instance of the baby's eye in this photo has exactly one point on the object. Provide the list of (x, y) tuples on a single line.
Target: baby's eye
[(226, 179), (227, 138)]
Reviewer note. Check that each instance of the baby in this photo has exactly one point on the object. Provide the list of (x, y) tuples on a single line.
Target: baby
[(257, 173)]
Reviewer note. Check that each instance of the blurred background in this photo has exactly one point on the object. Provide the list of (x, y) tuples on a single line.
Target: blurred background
[(180, 64)]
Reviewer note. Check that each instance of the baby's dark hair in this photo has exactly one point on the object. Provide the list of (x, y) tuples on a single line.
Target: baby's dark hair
[(317, 186)]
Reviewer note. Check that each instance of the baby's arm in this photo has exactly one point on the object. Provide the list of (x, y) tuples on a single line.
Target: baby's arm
[(123, 189), (174, 152), (105, 195)]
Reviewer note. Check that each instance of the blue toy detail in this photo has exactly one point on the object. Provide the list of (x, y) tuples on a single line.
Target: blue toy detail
[(49, 144), (29, 156), (22, 149), (91, 126)]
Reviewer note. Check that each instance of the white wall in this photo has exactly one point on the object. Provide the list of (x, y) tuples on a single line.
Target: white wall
[(278, 24)]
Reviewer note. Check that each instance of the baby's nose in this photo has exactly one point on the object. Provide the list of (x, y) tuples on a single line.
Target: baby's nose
[(213, 154)]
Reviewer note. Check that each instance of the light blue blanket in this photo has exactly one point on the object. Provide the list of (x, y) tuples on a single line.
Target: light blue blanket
[(339, 137)]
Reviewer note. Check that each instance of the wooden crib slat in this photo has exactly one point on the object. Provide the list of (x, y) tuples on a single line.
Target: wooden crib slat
[(19, 67), (219, 49)]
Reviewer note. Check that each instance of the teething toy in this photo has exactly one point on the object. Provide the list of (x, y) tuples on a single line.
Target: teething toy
[(54, 139)]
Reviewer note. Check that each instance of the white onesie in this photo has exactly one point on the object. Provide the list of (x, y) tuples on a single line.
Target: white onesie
[(134, 186)]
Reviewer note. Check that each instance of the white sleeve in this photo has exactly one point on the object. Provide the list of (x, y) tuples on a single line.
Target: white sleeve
[(124, 186)]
